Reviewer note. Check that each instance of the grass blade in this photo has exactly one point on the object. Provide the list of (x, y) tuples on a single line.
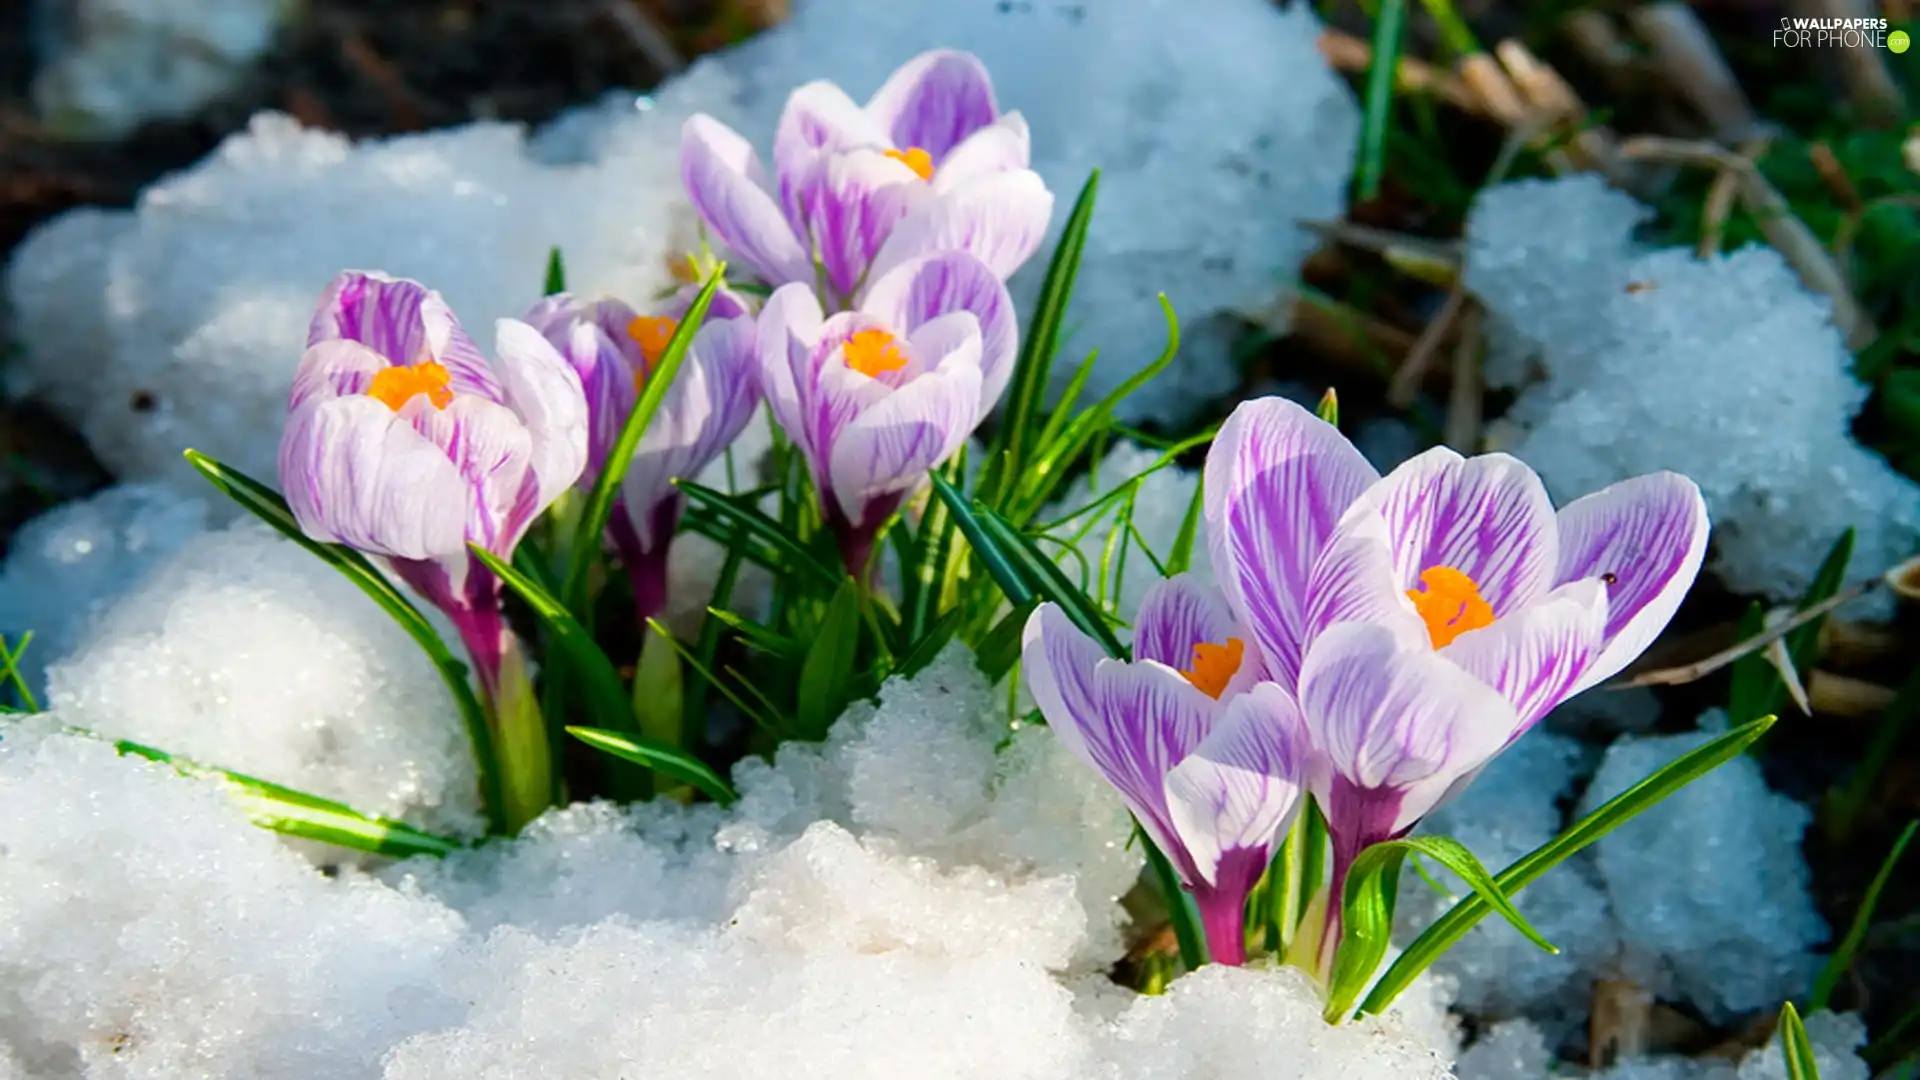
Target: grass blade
[(1046, 580), (739, 512), (1796, 1046), (1449, 928), (1842, 957), (1186, 920), (606, 487), (1031, 371), (267, 505), (10, 672), (588, 667), (930, 644), (296, 813), (1016, 588), (759, 718), (1388, 29), (556, 274), (827, 672), (1847, 805), (1181, 556), (999, 650), (1756, 687), (669, 761), (1367, 910)]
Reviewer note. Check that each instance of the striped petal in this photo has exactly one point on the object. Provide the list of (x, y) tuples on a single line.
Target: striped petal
[(404, 321), (849, 203), (1488, 517), (726, 182), (1278, 479), (1182, 612), (581, 334), (544, 392), (493, 452), (331, 369), (1354, 581), (934, 286), (788, 329), (820, 116), (888, 448), (1396, 727), (1536, 656), (1648, 536), (1240, 787), (1003, 146), (998, 219), (709, 403), (355, 472), (935, 101)]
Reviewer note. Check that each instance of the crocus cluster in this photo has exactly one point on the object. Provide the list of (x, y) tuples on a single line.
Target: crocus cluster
[(886, 233), (1375, 642)]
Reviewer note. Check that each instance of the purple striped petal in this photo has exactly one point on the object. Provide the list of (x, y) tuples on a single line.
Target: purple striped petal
[(1488, 517), (493, 452), (705, 409), (404, 321), (930, 287), (889, 447), (334, 369), (1650, 534), (355, 472), (1278, 479), (934, 101), (1002, 146), (820, 116), (999, 219), (1131, 722), (726, 182), (605, 370), (544, 392), (1397, 723), (1537, 655), (1354, 581), (788, 329), (850, 202), (1181, 612), (1240, 787)]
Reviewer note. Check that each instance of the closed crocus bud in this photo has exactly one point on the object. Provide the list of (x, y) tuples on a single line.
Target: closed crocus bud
[(1207, 754), (929, 164), (878, 396), (614, 351)]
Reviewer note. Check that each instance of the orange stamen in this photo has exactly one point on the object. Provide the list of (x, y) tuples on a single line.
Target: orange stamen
[(916, 159), (1214, 666), (651, 333), (1450, 604), (871, 352), (395, 386)]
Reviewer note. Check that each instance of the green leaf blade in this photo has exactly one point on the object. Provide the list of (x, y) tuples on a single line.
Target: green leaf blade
[(827, 673), (669, 761)]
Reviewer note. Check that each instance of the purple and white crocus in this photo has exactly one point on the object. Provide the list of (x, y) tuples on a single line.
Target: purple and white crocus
[(1208, 754), (876, 397), (403, 442), (1427, 619), (929, 164), (614, 350)]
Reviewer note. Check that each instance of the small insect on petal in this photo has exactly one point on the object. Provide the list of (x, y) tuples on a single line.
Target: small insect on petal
[(916, 159), (1450, 604), (1214, 666), (871, 352), (395, 386)]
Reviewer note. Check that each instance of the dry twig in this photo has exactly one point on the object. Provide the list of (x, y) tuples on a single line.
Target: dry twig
[(1784, 230), (1685, 52), (1700, 669), (1464, 399), (1414, 367), (1720, 196), (1345, 52)]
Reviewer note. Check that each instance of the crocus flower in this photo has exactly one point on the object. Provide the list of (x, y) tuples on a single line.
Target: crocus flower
[(929, 164), (1206, 754), (403, 442), (614, 350), (1428, 619), (877, 396)]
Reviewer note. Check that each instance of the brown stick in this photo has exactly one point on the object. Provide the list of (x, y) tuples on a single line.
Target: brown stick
[(1685, 52), (1699, 669), (1412, 373), (1784, 230), (1720, 197), (1842, 695), (1345, 52)]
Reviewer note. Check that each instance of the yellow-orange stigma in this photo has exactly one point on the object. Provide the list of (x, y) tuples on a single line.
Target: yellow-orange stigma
[(1214, 666), (916, 159), (871, 352), (651, 333), (1450, 604), (395, 386)]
